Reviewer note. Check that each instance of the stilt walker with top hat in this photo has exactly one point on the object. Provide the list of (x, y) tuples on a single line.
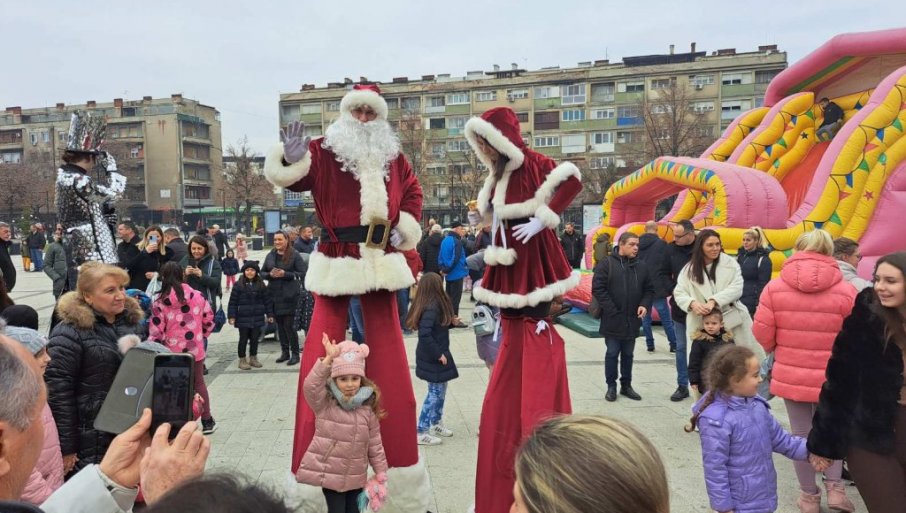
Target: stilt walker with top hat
[(368, 202), (521, 200)]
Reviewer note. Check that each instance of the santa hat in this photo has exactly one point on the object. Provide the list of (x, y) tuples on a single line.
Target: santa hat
[(365, 94), (500, 128), (351, 361)]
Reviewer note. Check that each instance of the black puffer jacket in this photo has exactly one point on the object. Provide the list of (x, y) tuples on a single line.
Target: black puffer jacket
[(429, 251), (146, 263), (209, 281), (621, 285), (756, 273), (84, 360), (858, 402), (433, 341), (285, 290), (7, 269), (250, 303), (655, 253)]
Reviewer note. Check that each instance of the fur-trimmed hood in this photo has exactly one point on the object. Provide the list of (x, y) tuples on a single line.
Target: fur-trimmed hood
[(703, 336), (73, 310), (500, 128)]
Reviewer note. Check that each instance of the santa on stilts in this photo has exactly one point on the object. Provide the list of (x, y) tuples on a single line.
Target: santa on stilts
[(368, 202), (522, 200)]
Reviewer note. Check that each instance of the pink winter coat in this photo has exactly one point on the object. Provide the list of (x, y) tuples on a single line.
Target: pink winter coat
[(798, 317), (182, 326), (47, 475), (345, 442)]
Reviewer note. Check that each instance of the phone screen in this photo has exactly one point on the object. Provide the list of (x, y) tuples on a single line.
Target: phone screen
[(153, 238), (172, 392)]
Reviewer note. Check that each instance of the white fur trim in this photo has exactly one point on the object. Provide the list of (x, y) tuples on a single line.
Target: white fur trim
[(373, 196), (546, 293), (346, 276), (357, 97), (476, 127), (408, 490), (127, 342), (548, 217), (496, 255), (303, 498), (284, 176), (529, 207), (410, 230)]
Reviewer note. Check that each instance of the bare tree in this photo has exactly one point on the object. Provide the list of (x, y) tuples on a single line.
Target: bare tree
[(673, 125), (465, 176), (413, 141), (244, 182), (595, 182)]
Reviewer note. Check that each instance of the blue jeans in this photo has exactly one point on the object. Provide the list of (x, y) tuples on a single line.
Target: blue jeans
[(37, 258), (682, 364), (356, 320), (622, 349), (663, 310), (402, 302), (433, 407)]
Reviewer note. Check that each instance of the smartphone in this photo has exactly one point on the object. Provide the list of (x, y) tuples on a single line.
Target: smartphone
[(153, 239), (172, 391)]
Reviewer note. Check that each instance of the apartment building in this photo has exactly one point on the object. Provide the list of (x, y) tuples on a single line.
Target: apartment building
[(168, 148), (590, 114)]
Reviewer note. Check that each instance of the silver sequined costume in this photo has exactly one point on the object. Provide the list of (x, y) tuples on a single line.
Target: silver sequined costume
[(79, 207)]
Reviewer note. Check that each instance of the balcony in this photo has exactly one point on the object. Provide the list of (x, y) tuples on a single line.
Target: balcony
[(10, 145), (547, 103), (602, 99), (629, 121), (436, 109), (550, 151), (634, 97), (437, 133), (598, 124), (310, 118), (464, 108), (737, 90)]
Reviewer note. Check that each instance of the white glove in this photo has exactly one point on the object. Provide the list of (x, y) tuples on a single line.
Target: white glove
[(524, 232), (396, 238)]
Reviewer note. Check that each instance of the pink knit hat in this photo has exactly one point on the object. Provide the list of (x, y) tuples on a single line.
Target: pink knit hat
[(351, 361)]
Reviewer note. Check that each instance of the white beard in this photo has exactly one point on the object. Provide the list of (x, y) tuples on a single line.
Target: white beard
[(362, 147)]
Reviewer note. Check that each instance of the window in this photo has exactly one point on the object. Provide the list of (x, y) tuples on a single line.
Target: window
[(194, 151), (34, 138), (486, 96), (547, 120), (197, 172), (438, 149), (545, 142), (629, 137), (198, 193), (765, 77), (13, 137), (635, 86), (335, 106), (189, 129), (311, 130), (437, 170), (392, 103), (458, 145), (629, 111), (457, 122), (574, 143), (45, 136), (731, 109), (437, 123), (127, 112), (602, 138), (411, 103), (522, 117), (63, 136), (436, 101), (458, 99), (662, 135), (662, 83), (458, 169), (311, 108), (702, 107), (705, 131), (602, 92), (700, 81), (601, 162), (546, 92), (516, 94), (136, 152), (11, 157), (572, 94), (289, 113), (603, 113), (573, 115), (734, 79), (661, 108), (441, 191)]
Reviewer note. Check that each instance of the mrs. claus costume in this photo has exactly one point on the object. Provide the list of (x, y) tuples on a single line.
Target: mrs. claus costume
[(355, 200), (529, 381)]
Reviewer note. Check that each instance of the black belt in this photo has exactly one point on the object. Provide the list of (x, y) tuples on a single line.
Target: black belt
[(374, 235), (515, 222)]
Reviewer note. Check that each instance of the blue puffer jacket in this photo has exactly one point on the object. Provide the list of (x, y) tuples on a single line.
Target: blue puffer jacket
[(738, 436), (447, 259)]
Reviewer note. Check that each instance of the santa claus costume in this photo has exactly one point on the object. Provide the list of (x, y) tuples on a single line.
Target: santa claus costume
[(365, 195), (524, 197)]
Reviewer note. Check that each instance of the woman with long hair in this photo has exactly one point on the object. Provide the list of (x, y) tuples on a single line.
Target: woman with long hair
[(712, 280), (861, 413), (754, 260), (153, 255), (284, 271)]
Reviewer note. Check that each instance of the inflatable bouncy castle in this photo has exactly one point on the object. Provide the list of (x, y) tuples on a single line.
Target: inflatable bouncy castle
[(769, 169)]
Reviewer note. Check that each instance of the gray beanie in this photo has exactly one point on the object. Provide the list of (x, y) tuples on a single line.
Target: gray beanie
[(31, 339)]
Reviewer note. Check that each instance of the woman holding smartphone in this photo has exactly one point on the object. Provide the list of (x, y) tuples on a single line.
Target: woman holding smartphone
[(153, 256)]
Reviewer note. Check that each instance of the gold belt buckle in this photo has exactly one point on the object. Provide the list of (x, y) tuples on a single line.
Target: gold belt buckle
[(375, 222)]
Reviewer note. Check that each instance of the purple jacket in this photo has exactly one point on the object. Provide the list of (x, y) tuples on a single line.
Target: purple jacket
[(738, 437)]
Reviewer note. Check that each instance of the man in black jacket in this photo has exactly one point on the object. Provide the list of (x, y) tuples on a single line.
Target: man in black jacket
[(7, 269), (127, 252), (573, 245), (653, 251), (36, 242), (680, 252), (833, 120), (176, 247), (305, 243), (221, 242), (430, 249), (622, 286)]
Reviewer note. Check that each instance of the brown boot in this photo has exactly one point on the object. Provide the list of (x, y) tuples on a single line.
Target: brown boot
[(253, 361), (809, 503), (244, 364), (836, 497)]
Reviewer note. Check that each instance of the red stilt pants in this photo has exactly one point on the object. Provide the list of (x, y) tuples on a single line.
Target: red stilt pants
[(528, 385), (386, 365)]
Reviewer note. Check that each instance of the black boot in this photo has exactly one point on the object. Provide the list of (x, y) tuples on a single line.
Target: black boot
[(294, 360), (611, 394), (284, 356), (627, 391), (681, 393)]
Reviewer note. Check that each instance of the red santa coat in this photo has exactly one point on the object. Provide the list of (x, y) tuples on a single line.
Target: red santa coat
[(344, 199), (532, 185)]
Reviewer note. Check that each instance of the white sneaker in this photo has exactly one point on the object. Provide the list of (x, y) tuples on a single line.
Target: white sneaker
[(440, 430), (428, 439)]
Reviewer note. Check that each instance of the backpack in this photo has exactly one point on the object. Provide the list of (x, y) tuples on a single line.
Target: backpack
[(484, 320)]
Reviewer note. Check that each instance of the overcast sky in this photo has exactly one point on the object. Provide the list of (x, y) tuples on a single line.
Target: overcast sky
[(239, 55)]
